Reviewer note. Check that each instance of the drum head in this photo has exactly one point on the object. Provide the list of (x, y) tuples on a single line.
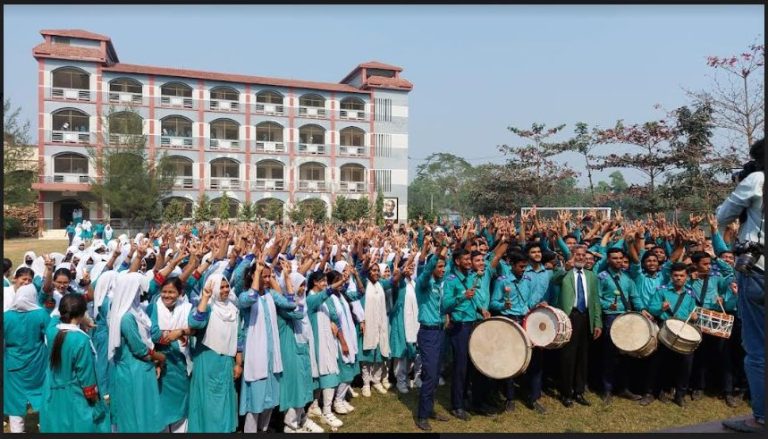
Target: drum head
[(630, 331), (541, 326), (498, 347), (685, 331)]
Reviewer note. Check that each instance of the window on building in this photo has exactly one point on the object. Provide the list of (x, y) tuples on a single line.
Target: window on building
[(176, 126), (269, 97), (312, 172), (70, 120), (383, 110), (352, 136), (383, 145), (182, 165), (70, 77), (269, 132), (225, 129), (225, 93), (225, 168), (125, 85), (353, 104), (125, 122), (383, 179), (380, 72), (269, 169), (312, 134), (70, 163), (176, 89), (312, 100), (62, 40), (185, 202), (353, 173)]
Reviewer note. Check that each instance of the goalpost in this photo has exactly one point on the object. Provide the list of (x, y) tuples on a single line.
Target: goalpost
[(552, 211)]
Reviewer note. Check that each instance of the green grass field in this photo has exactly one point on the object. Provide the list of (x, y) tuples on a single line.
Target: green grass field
[(394, 413)]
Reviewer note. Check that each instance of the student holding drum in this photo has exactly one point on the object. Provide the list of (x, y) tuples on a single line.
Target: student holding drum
[(675, 306), (618, 295), (513, 297)]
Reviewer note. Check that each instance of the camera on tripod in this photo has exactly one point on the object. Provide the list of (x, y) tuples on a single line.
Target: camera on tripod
[(747, 253)]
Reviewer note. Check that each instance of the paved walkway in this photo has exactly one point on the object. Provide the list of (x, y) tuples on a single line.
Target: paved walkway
[(707, 427)]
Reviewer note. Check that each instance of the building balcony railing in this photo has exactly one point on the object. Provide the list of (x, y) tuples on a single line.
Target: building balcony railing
[(176, 101), (312, 112), (67, 178), (229, 144), (125, 139), (268, 184), (176, 142), (270, 109), (70, 94), (270, 146), (352, 151), (352, 186), (312, 148), (125, 98), (224, 105), (224, 183), (352, 114), (185, 182), (71, 137), (313, 185)]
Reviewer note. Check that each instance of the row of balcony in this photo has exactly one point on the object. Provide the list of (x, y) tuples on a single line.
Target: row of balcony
[(227, 183), (180, 102)]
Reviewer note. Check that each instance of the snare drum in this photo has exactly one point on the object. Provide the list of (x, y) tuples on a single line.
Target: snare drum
[(714, 323), (634, 335), (548, 327), (680, 336), (499, 348)]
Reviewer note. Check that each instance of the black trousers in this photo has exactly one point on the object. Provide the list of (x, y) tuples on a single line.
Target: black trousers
[(647, 372), (676, 369), (573, 356), (713, 353)]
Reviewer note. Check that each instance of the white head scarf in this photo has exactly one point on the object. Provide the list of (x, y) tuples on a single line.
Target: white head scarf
[(104, 287), (126, 299), (25, 299), (168, 320), (221, 332)]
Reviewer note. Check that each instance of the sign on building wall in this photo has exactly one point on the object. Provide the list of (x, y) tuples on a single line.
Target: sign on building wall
[(390, 208)]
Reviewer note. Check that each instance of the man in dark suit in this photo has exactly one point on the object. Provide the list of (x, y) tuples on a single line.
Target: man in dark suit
[(577, 297)]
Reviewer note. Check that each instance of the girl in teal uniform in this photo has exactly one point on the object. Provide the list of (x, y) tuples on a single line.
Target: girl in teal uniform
[(134, 393), (101, 302), (404, 326), (216, 360), (24, 355), (170, 333), (72, 400), (260, 391)]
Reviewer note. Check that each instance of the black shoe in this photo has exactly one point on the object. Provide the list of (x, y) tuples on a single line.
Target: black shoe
[(679, 400), (439, 417), (484, 410), (549, 392), (664, 397), (646, 400), (535, 405), (607, 398), (630, 396), (697, 395), (423, 424), (731, 401), (461, 414), (568, 402), (509, 406), (579, 398)]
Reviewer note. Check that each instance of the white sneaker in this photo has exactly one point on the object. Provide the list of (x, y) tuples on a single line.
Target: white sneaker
[(417, 383), (332, 420), (441, 382), (314, 410), (380, 388), (348, 406), (353, 393), (339, 408), (366, 391), (387, 385), (402, 388), (289, 429), (311, 427)]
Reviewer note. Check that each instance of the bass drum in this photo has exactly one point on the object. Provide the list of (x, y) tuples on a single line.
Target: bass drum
[(499, 348)]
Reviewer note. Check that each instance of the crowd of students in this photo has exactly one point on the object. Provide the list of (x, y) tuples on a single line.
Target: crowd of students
[(215, 327)]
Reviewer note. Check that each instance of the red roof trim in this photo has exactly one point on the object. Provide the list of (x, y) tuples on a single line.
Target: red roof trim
[(50, 50), (74, 33)]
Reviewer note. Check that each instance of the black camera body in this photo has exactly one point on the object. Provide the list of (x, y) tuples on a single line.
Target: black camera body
[(747, 253)]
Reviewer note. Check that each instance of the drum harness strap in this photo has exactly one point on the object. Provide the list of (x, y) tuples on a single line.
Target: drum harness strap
[(673, 311), (519, 294), (627, 305), (703, 292)]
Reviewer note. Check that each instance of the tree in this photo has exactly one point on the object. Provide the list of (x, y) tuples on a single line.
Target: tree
[(272, 209), (312, 208), (738, 100), (173, 212), (19, 159), (202, 211), (440, 183), (379, 213), (128, 180), (223, 210), (583, 143), (347, 209), (247, 212)]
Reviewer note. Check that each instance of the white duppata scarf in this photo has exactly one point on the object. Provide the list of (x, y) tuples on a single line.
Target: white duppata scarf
[(376, 321), (303, 328), (255, 352), (410, 311), (168, 320), (221, 331), (105, 285), (347, 328), (25, 299), (328, 348), (125, 299)]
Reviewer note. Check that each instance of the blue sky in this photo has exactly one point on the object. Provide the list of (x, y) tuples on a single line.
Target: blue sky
[(475, 69)]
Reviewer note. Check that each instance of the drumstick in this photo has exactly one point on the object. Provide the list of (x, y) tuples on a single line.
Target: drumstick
[(720, 303)]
